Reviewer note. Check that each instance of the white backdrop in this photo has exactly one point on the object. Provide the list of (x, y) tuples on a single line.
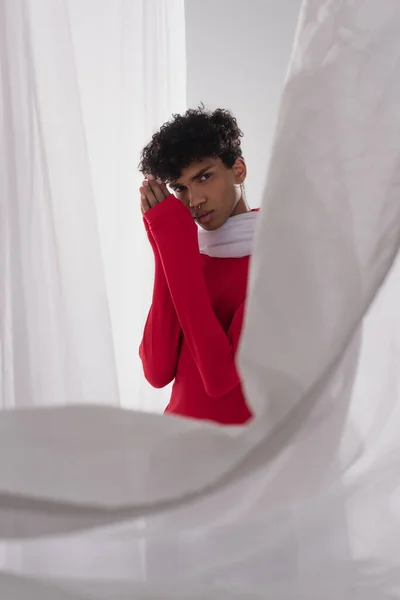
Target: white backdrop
[(304, 502), (131, 69), (242, 67), (83, 86)]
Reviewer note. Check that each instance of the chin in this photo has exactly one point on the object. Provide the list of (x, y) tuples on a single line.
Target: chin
[(216, 222), (209, 227), (212, 226)]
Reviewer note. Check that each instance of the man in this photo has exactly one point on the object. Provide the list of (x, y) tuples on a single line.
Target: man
[(195, 320)]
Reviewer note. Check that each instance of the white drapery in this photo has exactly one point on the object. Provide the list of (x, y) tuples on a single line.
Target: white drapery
[(83, 86), (304, 503)]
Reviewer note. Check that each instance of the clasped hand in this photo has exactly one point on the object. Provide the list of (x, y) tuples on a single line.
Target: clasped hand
[(152, 192)]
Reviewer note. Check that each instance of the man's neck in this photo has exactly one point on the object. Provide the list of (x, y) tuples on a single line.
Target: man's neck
[(241, 208)]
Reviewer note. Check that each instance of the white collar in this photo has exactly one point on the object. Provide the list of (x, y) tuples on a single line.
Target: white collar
[(233, 240)]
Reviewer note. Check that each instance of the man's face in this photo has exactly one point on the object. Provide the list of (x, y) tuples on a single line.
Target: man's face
[(211, 191)]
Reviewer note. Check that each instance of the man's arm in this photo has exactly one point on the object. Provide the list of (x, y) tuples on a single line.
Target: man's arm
[(175, 235), (159, 350)]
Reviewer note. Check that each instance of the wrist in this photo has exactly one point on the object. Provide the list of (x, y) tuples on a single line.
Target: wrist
[(169, 212)]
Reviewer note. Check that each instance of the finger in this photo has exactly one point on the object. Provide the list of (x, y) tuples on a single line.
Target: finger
[(162, 185), (164, 188), (144, 203), (157, 189), (149, 194)]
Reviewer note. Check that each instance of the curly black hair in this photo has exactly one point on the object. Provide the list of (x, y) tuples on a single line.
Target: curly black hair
[(191, 137)]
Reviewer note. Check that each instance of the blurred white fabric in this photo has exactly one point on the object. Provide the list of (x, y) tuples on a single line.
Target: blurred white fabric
[(305, 502), (82, 86), (131, 67)]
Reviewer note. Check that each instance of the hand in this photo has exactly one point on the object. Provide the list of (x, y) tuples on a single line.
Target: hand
[(152, 192)]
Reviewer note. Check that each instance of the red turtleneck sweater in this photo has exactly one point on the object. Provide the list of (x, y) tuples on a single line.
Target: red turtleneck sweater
[(195, 320)]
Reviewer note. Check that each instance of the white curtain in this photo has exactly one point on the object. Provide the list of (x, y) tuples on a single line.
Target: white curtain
[(83, 87), (131, 68), (303, 503)]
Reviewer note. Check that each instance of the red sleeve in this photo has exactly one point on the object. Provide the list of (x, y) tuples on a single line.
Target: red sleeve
[(175, 234), (159, 349)]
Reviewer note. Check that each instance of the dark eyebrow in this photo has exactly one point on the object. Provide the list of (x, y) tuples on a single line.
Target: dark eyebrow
[(199, 174)]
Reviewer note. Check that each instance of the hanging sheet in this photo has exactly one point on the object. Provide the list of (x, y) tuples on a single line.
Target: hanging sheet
[(305, 502)]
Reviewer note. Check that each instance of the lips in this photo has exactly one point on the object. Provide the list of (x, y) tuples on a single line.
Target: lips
[(205, 217), (203, 214)]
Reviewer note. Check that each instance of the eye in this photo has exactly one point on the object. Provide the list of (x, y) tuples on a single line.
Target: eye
[(179, 189), (205, 176)]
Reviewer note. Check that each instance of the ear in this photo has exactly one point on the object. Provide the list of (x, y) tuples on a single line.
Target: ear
[(239, 170)]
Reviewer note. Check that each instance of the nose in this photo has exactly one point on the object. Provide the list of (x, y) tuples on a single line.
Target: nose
[(195, 201)]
